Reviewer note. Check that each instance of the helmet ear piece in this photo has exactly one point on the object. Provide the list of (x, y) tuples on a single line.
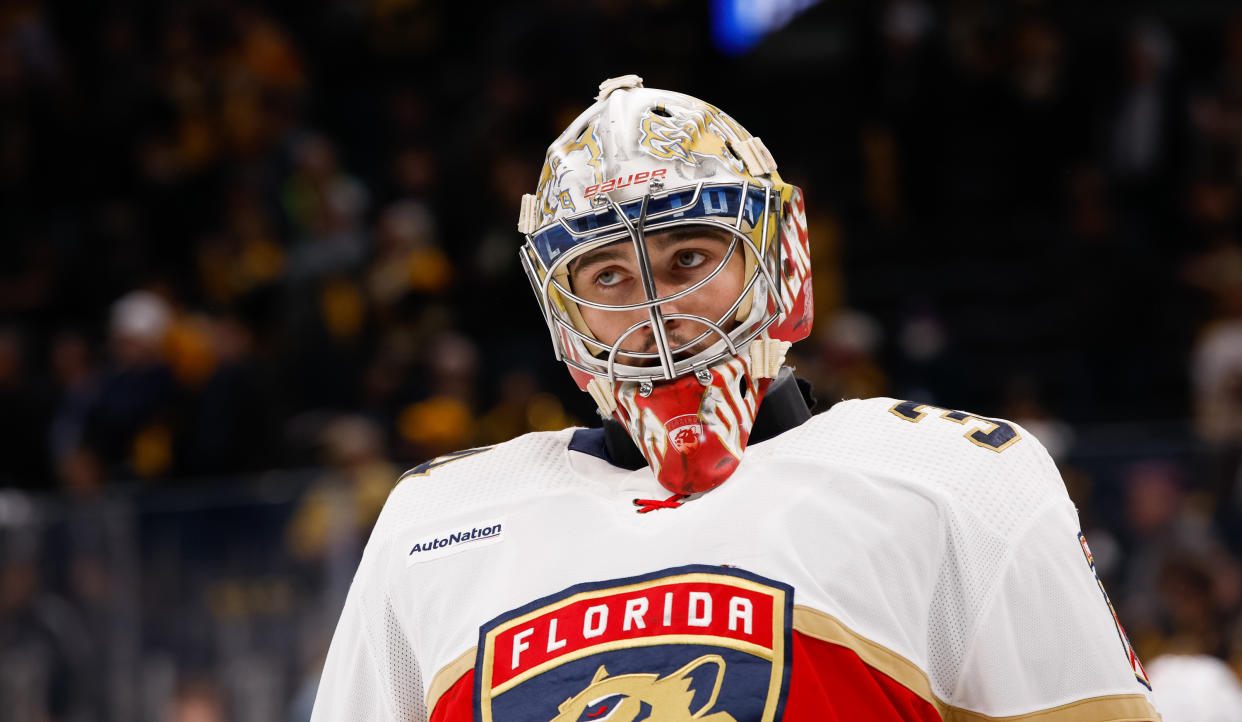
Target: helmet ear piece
[(528, 216), (756, 156)]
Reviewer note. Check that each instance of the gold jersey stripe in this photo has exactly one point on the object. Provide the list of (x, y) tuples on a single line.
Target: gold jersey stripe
[(448, 676), (1109, 708), (827, 628)]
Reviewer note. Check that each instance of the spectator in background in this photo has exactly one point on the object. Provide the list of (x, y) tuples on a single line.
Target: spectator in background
[(242, 262), (1145, 114), (77, 380), (232, 430), (521, 408), (326, 315), (47, 652), (1025, 405), (444, 419), (1216, 368), (324, 205), (1181, 585), (844, 365), (345, 502), (77, 466), (330, 524), (130, 426), (198, 700), (407, 264), (1216, 376), (1195, 688)]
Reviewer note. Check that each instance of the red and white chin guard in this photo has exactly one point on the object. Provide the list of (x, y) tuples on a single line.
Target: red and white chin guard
[(693, 429)]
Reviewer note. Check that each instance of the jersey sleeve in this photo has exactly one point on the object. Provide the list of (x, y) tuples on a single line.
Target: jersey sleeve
[(1047, 640), (371, 672)]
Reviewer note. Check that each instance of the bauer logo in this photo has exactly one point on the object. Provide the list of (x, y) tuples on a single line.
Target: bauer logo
[(619, 183), (424, 548), (690, 643)]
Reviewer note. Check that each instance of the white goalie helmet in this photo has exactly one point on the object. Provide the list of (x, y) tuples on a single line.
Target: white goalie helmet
[(637, 162), (642, 162)]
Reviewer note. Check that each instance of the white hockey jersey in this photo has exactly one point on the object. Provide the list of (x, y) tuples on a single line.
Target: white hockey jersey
[(882, 561)]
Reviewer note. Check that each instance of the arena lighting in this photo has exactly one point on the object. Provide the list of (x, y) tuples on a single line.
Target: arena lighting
[(738, 25)]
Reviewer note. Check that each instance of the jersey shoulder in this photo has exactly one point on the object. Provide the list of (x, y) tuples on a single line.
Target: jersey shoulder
[(469, 480), (991, 466)]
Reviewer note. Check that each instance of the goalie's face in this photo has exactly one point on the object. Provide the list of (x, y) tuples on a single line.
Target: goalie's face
[(613, 276)]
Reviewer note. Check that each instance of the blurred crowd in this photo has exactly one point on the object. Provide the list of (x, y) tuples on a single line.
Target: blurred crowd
[(237, 237), (197, 278)]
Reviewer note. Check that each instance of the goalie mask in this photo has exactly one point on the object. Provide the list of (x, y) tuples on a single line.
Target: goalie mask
[(671, 264)]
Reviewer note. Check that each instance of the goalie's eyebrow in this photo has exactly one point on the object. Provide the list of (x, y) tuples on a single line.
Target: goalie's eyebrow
[(622, 250)]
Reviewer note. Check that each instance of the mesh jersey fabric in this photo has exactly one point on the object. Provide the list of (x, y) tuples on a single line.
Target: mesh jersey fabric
[(962, 559)]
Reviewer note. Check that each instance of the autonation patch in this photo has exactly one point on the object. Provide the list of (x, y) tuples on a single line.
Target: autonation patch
[(434, 546)]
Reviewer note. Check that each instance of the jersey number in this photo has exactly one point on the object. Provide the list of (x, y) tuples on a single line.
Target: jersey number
[(427, 467), (996, 434)]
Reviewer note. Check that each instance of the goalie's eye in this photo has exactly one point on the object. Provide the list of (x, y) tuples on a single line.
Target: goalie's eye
[(608, 277), (690, 259)]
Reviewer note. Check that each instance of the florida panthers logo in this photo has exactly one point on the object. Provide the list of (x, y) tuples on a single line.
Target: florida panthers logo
[(688, 134), (686, 432), (631, 697), (577, 161), (695, 643)]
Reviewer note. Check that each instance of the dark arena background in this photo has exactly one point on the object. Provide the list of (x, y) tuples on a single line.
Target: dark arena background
[(258, 258)]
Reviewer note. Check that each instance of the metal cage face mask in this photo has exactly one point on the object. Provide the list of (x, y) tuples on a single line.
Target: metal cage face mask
[(748, 216), (643, 162)]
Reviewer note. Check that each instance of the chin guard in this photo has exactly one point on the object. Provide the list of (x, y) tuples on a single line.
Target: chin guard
[(693, 429)]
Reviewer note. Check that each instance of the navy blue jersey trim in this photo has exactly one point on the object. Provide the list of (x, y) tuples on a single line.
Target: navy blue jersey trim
[(590, 441)]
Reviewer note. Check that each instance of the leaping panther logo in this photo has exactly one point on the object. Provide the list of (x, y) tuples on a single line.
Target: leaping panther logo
[(583, 156), (690, 133), (632, 697), (686, 432)]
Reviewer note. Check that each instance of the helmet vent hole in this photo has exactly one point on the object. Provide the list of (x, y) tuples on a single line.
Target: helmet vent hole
[(741, 386), (729, 147), (660, 111)]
